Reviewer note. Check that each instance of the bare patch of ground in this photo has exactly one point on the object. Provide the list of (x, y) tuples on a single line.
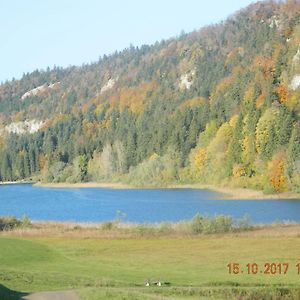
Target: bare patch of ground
[(61, 295)]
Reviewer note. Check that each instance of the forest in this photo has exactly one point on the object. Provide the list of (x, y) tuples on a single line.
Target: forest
[(219, 105)]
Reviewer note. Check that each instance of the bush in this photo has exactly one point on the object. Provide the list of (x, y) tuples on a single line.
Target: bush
[(11, 222), (108, 225), (218, 224), (244, 224), (206, 225), (197, 224)]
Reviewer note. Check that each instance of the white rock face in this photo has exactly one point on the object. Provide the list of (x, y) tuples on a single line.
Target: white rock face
[(34, 92), (108, 86), (186, 80), (275, 22), (40, 89), (296, 57), (28, 126), (55, 85), (295, 83)]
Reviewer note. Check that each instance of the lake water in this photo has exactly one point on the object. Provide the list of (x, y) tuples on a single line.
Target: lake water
[(98, 205)]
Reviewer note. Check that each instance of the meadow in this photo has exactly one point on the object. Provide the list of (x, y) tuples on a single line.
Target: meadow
[(108, 264)]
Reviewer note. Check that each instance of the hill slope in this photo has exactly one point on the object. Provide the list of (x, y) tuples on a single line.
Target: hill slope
[(216, 105)]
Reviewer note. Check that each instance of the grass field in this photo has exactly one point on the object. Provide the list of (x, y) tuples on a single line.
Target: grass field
[(117, 268)]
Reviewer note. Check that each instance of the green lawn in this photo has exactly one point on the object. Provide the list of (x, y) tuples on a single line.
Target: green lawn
[(118, 268)]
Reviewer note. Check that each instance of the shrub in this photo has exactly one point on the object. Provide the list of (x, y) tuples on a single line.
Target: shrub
[(218, 224), (108, 225), (197, 224), (244, 224), (11, 222)]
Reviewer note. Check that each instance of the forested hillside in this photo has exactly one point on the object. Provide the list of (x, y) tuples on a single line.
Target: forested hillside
[(218, 105)]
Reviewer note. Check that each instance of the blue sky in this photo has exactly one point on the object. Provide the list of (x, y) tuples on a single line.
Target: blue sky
[(40, 33)]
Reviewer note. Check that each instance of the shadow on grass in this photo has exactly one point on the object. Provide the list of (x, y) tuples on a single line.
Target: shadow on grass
[(7, 294)]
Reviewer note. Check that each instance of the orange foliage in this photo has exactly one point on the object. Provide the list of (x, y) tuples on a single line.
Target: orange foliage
[(169, 50), (277, 177), (22, 152), (265, 63), (132, 97), (282, 93), (55, 120), (234, 54), (196, 101), (229, 80), (224, 83), (261, 99), (42, 160)]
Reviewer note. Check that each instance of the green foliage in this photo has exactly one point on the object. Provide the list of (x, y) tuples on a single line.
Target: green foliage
[(11, 222), (219, 224), (225, 126)]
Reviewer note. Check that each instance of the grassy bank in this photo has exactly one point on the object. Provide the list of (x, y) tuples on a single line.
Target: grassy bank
[(99, 267), (99, 263)]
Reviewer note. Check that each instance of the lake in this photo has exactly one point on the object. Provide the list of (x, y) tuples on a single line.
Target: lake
[(154, 205)]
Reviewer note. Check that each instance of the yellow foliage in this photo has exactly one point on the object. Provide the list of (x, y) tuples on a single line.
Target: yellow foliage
[(19, 116), (233, 121), (220, 142), (99, 108), (153, 157), (55, 120), (293, 102), (277, 171), (238, 171), (105, 124), (199, 159), (248, 149), (263, 127), (90, 127), (248, 96)]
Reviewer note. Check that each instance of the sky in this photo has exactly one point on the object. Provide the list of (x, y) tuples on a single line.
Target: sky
[(40, 33)]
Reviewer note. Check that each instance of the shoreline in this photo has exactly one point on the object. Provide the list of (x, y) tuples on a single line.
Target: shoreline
[(15, 182), (64, 185), (228, 193), (115, 230)]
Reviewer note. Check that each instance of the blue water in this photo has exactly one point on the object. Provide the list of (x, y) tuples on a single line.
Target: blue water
[(97, 205)]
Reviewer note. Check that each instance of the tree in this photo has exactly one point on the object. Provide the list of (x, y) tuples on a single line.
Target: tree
[(80, 167), (277, 173)]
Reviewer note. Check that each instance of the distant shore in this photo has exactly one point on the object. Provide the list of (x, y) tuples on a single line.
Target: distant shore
[(228, 193), (15, 182), (65, 185)]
